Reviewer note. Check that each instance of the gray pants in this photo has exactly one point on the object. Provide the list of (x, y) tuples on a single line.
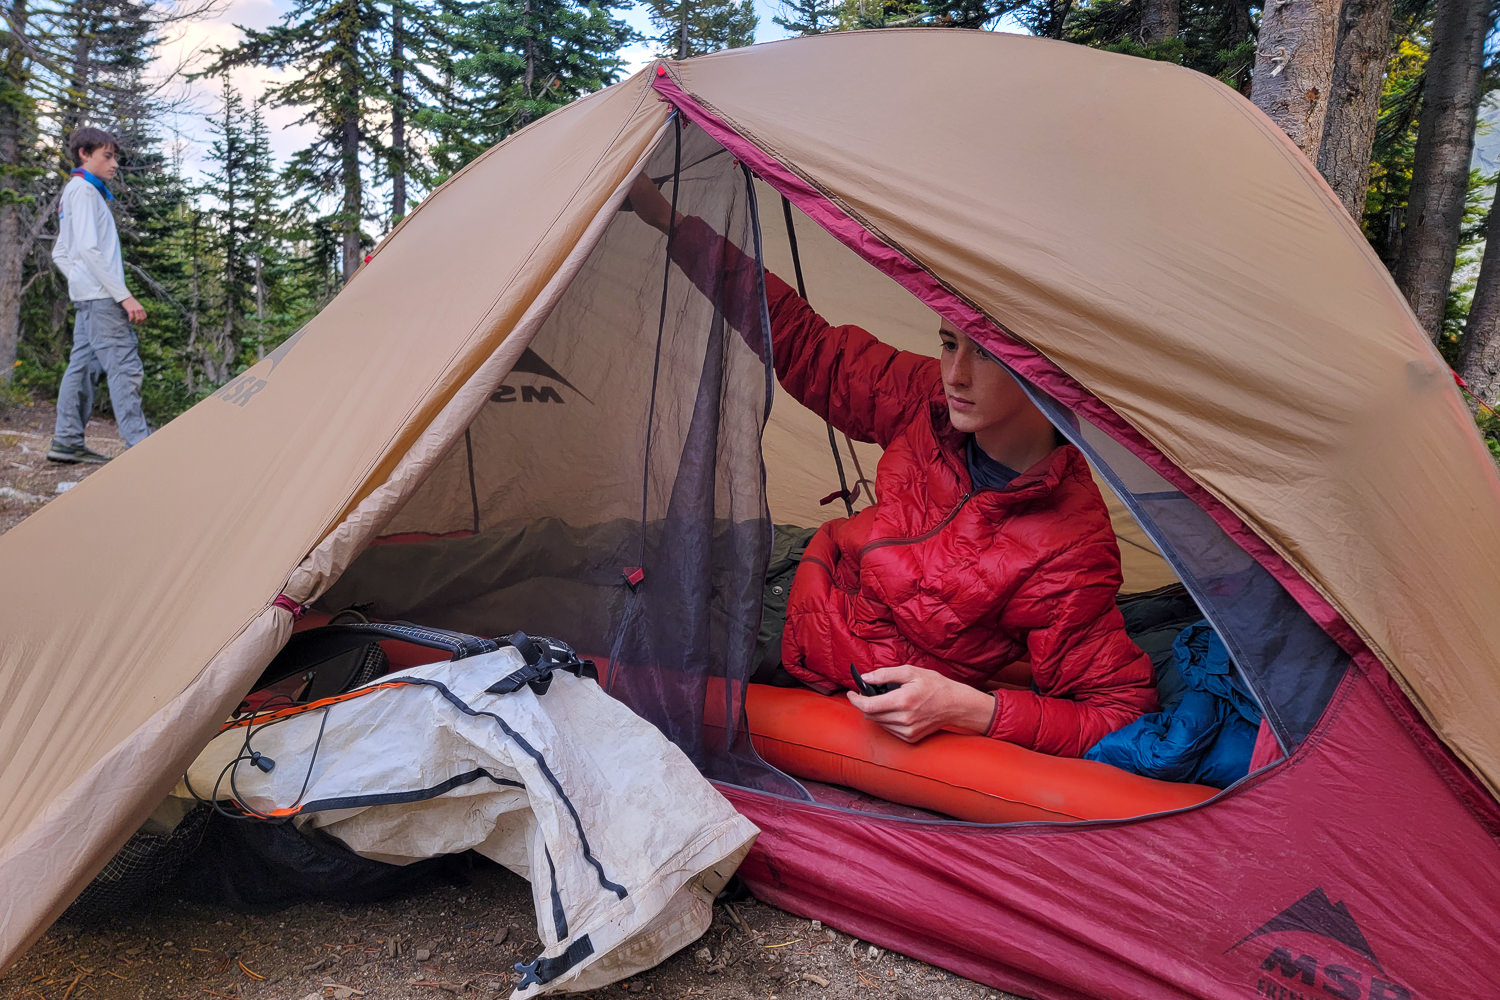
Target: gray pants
[(102, 339)]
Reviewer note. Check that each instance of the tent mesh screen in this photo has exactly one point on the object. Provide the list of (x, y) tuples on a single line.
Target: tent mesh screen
[(627, 437)]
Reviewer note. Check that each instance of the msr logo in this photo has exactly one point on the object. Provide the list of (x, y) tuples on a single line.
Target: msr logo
[(530, 363), (1314, 948), (245, 386)]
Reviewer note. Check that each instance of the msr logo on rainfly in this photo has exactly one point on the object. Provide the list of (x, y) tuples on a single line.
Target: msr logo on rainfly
[(1314, 949), (530, 363)]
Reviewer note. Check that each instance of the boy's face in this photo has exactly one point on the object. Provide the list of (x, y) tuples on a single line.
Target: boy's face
[(102, 162), (981, 394)]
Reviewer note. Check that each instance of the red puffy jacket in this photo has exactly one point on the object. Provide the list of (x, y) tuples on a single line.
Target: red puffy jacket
[(937, 574)]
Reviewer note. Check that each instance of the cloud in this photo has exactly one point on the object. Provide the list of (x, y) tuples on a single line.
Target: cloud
[(187, 49)]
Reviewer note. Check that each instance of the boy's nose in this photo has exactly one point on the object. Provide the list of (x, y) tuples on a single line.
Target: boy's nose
[(958, 370)]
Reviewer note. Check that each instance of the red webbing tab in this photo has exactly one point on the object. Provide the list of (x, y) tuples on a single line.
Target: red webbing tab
[(285, 603), (634, 575), (850, 495)]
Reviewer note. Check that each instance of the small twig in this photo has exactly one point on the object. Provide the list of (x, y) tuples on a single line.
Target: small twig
[(783, 944), (71, 985), (809, 977), (249, 971), (739, 921)]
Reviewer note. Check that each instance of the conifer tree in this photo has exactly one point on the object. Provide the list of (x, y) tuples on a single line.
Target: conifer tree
[(424, 40), (229, 156), (810, 17), (339, 80), (525, 58), (694, 27), (19, 172), (265, 240)]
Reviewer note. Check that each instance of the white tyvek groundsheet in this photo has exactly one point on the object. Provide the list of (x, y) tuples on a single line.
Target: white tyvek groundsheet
[(624, 842)]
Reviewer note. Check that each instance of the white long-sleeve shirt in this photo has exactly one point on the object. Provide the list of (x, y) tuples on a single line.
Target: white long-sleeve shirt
[(87, 250)]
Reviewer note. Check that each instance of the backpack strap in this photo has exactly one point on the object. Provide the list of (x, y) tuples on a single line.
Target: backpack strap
[(315, 646), (306, 650), (542, 656)]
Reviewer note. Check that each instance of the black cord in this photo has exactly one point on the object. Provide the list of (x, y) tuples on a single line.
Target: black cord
[(248, 754), (833, 445), (661, 326)]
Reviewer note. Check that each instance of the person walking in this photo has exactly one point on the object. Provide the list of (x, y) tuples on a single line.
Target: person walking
[(87, 252)]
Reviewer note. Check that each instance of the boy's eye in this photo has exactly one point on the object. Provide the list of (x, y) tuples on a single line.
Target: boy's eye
[(986, 355)]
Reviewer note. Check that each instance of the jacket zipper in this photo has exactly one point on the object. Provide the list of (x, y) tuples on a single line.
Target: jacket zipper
[(882, 542)]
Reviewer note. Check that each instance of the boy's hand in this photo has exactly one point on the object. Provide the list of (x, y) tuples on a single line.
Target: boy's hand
[(925, 702), (134, 311)]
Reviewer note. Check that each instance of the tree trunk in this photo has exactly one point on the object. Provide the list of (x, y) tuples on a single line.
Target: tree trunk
[(13, 79), (10, 285), (1294, 67), (348, 101), (1160, 20), (232, 280), (525, 117), (398, 115), (1241, 29), (194, 299), (1479, 364), (1051, 26), (1354, 102), (1440, 170), (260, 310), (353, 193)]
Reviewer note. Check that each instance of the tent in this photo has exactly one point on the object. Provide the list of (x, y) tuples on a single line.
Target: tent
[(517, 415)]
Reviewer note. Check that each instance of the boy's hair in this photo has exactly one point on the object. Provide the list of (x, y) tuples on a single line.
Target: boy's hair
[(87, 139)]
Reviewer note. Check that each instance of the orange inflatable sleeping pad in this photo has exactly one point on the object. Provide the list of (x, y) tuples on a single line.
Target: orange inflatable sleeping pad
[(824, 738)]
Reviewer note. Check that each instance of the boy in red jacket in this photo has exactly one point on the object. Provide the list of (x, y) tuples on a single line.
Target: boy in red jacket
[(989, 542)]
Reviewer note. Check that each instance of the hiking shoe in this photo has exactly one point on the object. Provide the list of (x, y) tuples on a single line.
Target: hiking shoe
[(74, 453)]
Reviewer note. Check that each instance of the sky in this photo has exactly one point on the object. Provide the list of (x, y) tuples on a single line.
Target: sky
[(188, 45)]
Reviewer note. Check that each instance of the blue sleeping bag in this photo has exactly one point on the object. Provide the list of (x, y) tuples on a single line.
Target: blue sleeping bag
[(1207, 726)]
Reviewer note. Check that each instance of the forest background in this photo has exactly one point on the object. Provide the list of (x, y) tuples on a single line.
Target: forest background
[(233, 244)]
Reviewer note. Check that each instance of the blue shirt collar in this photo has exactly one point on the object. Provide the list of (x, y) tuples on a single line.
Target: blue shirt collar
[(98, 184)]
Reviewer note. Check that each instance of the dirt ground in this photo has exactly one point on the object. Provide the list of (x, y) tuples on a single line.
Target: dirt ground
[(27, 479), (448, 941)]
